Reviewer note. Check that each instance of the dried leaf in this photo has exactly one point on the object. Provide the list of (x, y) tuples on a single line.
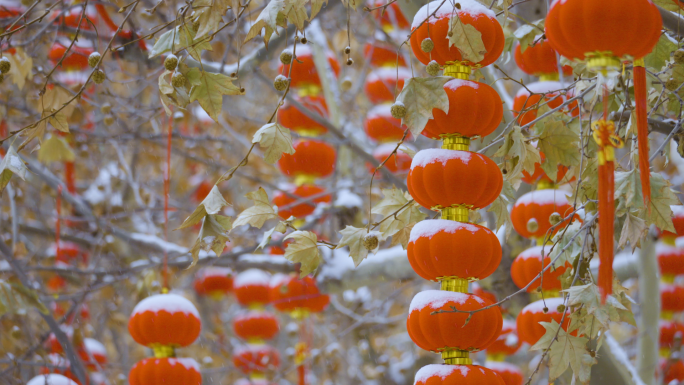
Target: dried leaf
[(467, 39), (420, 96), (258, 214), (269, 18), (212, 236), (633, 230), (399, 210), (281, 227), (316, 6), (519, 155), (564, 350), (560, 145), (352, 237), (55, 149), (275, 140), (210, 90), (212, 204), (22, 66), (661, 53), (59, 122), (295, 10), (210, 14), (304, 250), (9, 165)]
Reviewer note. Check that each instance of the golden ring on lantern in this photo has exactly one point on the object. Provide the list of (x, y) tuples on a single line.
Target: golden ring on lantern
[(550, 77), (456, 212), (602, 61), (459, 69), (455, 142), (453, 356), (163, 351)]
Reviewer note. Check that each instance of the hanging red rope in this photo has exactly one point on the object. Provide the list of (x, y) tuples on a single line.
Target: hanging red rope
[(608, 141), (58, 207), (642, 129)]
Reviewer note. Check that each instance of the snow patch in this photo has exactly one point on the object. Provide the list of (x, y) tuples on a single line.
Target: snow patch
[(534, 252), (50, 379), (434, 155), (545, 87), (435, 299), (441, 371), (171, 303), (95, 347), (502, 367), (252, 277), (214, 271), (431, 227), (472, 7), (677, 211), (455, 84), (346, 198), (543, 197), (538, 306), (380, 111), (388, 74)]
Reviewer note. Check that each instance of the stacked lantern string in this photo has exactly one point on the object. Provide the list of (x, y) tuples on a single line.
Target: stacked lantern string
[(313, 159), (671, 264), (255, 326), (299, 298), (163, 323), (596, 31), (453, 180), (380, 87)]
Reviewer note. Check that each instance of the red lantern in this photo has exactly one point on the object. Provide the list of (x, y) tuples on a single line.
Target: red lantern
[(11, 9), (456, 375), (214, 282), (529, 329), (69, 253), (62, 367), (252, 288), (167, 371), (670, 260), (470, 13), (475, 109), (292, 294), (540, 60), (254, 381), (56, 283), (164, 320), (540, 176), (59, 310), (390, 17), (531, 212), (436, 332), (673, 370), (312, 159), (677, 221), (301, 210), (509, 373), (384, 83), (54, 346), (671, 298), (527, 266), (203, 189), (255, 324), (668, 331), (256, 358), (76, 59), (96, 350), (482, 293), (304, 74), (381, 126), (507, 343), (51, 379), (530, 102), (398, 163), (603, 30), (448, 177), (439, 248), (294, 119), (382, 54)]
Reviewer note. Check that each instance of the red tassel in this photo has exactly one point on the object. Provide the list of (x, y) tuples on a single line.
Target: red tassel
[(301, 371), (69, 177), (105, 17), (642, 129), (606, 213)]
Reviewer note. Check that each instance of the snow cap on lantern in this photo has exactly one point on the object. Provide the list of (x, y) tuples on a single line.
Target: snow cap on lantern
[(96, 350), (448, 332), (436, 28), (531, 212), (256, 325), (51, 379), (167, 371), (475, 109), (456, 374), (442, 248), (164, 322), (252, 288), (527, 266), (529, 329), (509, 373), (214, 281), (444, 178), (507, 343)]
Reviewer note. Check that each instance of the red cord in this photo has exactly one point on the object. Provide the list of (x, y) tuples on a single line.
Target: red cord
[(642, 132), (57, 224), (69, 177), (105, 17)]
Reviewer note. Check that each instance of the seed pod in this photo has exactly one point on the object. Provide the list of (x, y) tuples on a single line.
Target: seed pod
[(94, 59), (546, 309), (171, 62), (99, 76), (398, 110), (672, 84), (346, 84), (108, 120), (350, 61), (427, 45), (679, 56), (560, 308), (303, 40), (280, 83), (555, 219), (432, 68), (177, 80), (370, 242), (347, 50), (5, 65), (106, 108), (286, 57), (532, 225)]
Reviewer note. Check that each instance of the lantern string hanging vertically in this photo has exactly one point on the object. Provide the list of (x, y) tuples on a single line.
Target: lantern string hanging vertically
[(451, 250), (604, 39), (300, 298), (256, 325)]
